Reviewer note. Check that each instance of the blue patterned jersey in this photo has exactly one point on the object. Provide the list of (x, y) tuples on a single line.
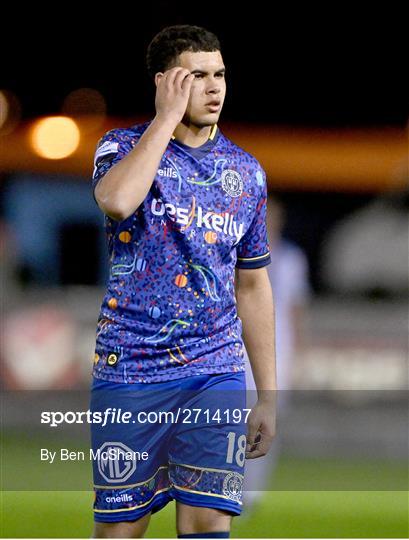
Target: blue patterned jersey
[(170, 307)]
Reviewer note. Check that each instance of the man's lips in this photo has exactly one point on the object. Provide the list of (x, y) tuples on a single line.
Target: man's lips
[(214, 106)]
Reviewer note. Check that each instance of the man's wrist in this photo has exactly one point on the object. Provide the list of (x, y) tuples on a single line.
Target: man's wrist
[(168, 121), (267, 396)]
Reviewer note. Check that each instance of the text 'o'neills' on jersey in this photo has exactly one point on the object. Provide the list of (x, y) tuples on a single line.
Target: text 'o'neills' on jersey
[(168, 172), (216, 222)]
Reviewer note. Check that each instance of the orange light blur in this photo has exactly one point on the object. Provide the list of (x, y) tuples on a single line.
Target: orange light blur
[(55, 137)]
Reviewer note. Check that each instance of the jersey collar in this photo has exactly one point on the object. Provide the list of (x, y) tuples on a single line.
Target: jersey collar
[(202, 151), (212, 135)]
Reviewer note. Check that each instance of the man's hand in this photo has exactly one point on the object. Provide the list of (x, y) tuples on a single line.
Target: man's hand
[(172, 93), (261, 429)]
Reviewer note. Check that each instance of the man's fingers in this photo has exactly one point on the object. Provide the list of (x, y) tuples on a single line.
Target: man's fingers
[(180, 77), (260, 447), (168, 75), (187, 82), (255, 454), (175, 76), (260, 431), (254, 444), (252, 430)]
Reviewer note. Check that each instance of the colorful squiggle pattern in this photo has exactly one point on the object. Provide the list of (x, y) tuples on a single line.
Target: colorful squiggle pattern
[(210, 281), (165, 330)]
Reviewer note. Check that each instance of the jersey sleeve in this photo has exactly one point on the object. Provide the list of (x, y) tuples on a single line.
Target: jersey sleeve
[(253, 250), (111, 148)]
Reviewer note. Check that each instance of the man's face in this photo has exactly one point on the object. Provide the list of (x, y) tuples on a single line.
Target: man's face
[(208, 88)]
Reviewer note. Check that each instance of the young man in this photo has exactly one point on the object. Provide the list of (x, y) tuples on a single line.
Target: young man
[(185, 209)]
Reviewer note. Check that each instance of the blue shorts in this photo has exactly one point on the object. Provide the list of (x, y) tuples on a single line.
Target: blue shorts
[(180, 440)]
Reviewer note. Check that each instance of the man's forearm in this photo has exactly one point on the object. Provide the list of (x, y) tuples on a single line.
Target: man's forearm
[(255, 307), (124, 187)]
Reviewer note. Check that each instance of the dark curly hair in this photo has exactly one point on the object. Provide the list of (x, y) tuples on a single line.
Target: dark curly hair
[(172, 41)]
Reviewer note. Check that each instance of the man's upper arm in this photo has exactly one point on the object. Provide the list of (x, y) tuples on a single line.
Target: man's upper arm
[(251, 278)]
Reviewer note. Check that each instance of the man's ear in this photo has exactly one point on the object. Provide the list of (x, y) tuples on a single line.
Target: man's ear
[(158, 77)]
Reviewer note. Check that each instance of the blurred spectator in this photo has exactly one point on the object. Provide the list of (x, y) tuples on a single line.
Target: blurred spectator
[(288, 273), (367, 252)]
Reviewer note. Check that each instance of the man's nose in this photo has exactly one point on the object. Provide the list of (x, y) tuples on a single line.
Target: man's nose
[(213, 88)]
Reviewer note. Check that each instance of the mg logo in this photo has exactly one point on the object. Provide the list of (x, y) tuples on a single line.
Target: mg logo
[(116, 461)]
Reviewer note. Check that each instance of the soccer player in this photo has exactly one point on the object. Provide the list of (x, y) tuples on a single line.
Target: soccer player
[(185, 217)]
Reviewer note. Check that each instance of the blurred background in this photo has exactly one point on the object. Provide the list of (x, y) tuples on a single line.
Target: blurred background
[(320, 99)]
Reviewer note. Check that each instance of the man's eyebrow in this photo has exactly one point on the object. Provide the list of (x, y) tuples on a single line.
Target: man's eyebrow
[(201, 72)]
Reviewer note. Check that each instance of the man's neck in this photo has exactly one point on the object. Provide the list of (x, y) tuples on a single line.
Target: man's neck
[(192, 135)]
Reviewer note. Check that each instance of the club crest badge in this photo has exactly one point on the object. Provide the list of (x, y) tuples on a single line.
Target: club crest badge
[(233, 486), (232, 183)]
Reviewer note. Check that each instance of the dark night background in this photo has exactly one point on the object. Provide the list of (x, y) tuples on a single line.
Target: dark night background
[(315, 66)]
